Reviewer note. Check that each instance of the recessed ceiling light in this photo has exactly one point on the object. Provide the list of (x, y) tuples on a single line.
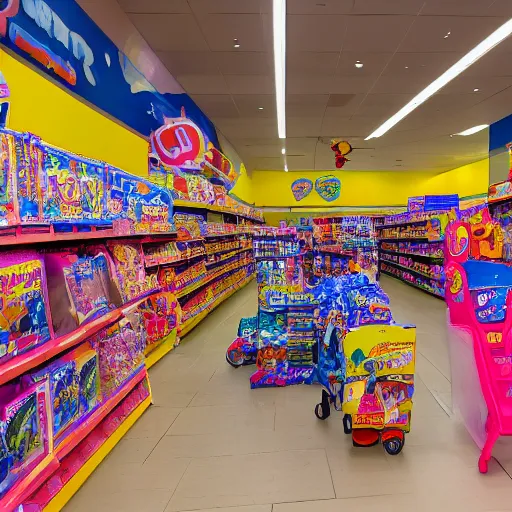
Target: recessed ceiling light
[(468, 60), (447, 35), (279, 30), (283, 151), (359, 64), (236, 43), (476, 89), (260, 108), (475, 129)]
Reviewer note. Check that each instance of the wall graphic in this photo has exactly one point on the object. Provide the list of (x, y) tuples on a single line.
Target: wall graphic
[(61, 40), (301, 188), (328, 187)]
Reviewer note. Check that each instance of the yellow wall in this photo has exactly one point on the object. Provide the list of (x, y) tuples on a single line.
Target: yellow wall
[(243, 188), (371, 188), (43, 108)]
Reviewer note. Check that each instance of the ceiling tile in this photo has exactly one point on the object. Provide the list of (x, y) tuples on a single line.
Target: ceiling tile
[(203, 84), (487, 85), (309, 84), (457, 7), (387, 6), (243, 63), (155, 6), (500, 8), (382, 106), (249, 84), (376, 33), (249, 104), (185, 35), (389, 84), (221, 29), (347, 127), (303, 126), (230, 6), (428, 33), (352, 84), (424, 65), (319, 63), (306, 105), (495, 63), (247, 127), (320, 7), (188, 63), (316, 33), (373, 63), (216, 105)]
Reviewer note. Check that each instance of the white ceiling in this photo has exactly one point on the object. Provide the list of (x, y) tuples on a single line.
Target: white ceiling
[(400, 42)]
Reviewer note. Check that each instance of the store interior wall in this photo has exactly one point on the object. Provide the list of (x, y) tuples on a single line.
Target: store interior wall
[(370, 188), (41, 107)]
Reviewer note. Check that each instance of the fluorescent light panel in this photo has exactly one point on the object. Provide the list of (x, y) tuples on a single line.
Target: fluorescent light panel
[(475, 129), (280, 64), (468, 60)]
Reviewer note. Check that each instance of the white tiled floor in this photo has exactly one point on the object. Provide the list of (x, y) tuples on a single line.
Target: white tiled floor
[(209, 443)]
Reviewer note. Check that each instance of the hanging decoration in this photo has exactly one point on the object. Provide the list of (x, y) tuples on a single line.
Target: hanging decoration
[(328, 187), (341, 149), (301, 188)]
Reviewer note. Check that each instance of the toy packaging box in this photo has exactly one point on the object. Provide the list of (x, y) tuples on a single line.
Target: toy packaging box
[(25, 322), (73, 188), (74, 387), (25, 432), (128, 269), (80, 286)]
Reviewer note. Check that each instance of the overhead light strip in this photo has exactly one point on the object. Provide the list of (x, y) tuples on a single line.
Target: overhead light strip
[(279, 17), (468, 60)]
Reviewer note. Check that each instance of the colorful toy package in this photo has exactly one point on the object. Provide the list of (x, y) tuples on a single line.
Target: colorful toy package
[(25, 440), (159, 313), (9, 157), (120, 351), (74, 387), (73, 188), (147, 206), (128, 269), (189, 226), (25, 321), (80, 286)]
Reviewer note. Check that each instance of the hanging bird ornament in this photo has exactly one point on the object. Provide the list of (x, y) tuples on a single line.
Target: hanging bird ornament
[(341, 149)]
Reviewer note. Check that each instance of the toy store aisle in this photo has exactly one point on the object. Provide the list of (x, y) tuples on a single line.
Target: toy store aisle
[(210, 443)]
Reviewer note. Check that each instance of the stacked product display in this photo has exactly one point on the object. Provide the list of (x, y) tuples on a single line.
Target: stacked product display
[(106, 276), (323, 318), (479, 298), (411, 244), (281, 337)]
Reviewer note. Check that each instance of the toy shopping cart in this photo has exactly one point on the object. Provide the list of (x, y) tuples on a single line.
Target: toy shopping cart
[(379, 384), (244, 348)]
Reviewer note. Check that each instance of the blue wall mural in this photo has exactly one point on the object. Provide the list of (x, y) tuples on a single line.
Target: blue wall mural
[(61, 40)]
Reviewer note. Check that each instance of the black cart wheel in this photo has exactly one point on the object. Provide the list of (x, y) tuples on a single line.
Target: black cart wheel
[(347, 424), (235, 358), (321, 412), (394, 445)]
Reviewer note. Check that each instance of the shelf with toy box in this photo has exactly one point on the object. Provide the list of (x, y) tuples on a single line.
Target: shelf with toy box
[(79, 314), (343, 245), (283, 337), (478, 295), (206, 261), (411, 244)]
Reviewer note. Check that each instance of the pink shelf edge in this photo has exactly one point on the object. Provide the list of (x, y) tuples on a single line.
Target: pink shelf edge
[(22, 363), (35, 480)]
